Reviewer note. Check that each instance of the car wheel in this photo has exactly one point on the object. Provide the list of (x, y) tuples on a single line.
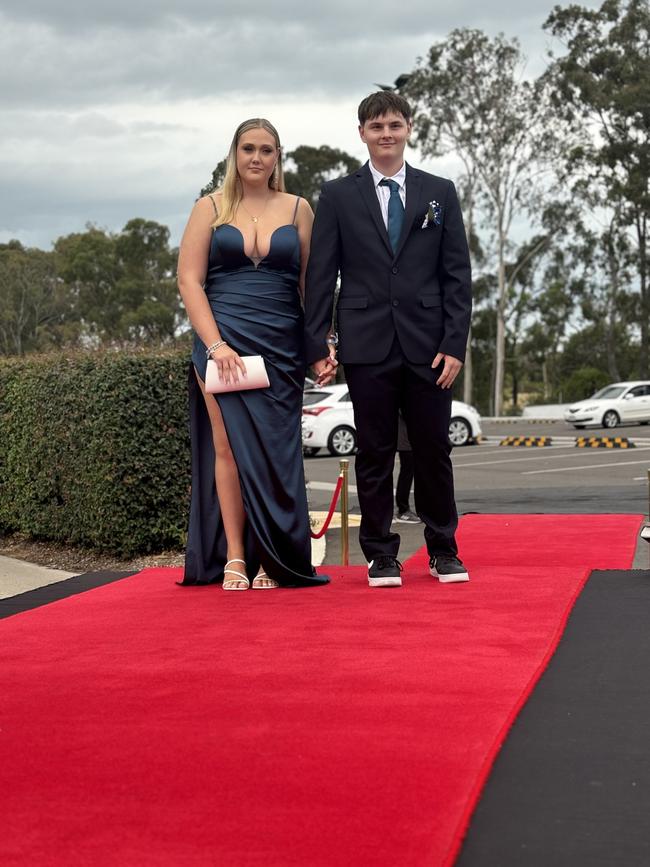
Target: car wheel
[(342, 441), (610, 419), (309, 451), (459, 432)]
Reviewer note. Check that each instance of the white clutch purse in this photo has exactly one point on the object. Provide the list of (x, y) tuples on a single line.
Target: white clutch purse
[(256, 376)]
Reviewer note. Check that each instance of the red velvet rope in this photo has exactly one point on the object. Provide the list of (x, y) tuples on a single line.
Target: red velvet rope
[(328, 519)]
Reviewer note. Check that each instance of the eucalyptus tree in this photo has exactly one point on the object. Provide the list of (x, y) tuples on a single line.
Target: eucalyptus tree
[(472, 100), (602, 86), (309, 167), (121, 285), (218, 175), (609, 264), (35, 310)]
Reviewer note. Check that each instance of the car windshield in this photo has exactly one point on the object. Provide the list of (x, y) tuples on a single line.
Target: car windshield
[(609, 392), (311, 397)]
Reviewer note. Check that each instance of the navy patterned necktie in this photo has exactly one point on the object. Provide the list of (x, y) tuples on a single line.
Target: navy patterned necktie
[(395, 212)]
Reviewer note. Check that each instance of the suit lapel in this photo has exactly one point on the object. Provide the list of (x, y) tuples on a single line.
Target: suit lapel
[(366, 186), (413, 190)]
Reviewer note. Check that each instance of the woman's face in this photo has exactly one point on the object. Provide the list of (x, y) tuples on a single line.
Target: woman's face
[(257, 155)]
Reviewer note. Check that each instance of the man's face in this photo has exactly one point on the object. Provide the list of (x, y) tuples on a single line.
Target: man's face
[(386, 136)]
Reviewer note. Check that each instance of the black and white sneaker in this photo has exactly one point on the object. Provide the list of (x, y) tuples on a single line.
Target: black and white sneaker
[(407, 517), (447, 568), (384, 571)]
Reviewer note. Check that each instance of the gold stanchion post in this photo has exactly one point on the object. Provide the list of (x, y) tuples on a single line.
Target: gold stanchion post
[(345, 529)]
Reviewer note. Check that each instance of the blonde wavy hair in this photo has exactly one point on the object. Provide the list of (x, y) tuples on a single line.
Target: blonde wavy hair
[(231, 191)]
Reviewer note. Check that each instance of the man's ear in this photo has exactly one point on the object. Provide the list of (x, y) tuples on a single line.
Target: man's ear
[(361, 134)]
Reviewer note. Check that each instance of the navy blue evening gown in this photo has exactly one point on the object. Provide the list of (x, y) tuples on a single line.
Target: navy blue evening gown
[(258, 310)]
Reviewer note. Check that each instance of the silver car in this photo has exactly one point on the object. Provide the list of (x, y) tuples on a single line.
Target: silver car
[(620, 402)]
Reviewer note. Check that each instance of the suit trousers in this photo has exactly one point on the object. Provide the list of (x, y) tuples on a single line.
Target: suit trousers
[(378, 392), (404, 481)]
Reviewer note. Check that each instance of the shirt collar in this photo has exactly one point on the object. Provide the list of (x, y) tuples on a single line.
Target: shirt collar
[(399, 176)]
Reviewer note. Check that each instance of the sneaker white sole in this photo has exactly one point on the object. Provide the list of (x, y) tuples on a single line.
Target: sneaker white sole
[(385, 581), (455, 578)]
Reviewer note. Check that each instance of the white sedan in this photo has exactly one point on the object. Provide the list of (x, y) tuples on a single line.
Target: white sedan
[(616, 403), (328, 422)]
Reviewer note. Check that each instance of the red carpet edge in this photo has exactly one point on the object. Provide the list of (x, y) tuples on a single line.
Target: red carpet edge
[(475, 794)]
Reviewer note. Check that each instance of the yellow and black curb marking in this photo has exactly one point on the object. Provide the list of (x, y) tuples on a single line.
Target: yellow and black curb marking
[(526, 441), (604, 443)]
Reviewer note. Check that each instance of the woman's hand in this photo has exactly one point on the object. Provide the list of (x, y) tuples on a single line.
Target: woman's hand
[(228, 363), (325, 370)]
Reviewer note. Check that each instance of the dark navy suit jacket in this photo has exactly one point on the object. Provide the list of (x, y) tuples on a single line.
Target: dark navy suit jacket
[(421, 292)]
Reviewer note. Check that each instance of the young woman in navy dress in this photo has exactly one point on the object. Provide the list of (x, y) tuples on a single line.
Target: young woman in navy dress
[(241, 274)]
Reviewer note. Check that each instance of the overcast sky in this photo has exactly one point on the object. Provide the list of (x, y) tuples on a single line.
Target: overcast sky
[(119, 110)]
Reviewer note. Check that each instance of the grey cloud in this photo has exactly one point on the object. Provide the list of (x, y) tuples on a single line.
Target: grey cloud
[(52, 128), (335, 17), (112, 110), (70, 54), (175, 63)]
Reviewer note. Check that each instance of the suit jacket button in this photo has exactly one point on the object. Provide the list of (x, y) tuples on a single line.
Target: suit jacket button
[(395, 302), (395, 269)]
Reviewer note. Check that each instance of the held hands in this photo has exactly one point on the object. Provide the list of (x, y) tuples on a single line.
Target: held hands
[(325, 368), (228, 363), (450, 371)]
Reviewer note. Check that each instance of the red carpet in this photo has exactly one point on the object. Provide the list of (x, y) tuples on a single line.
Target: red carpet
[(147, 724)]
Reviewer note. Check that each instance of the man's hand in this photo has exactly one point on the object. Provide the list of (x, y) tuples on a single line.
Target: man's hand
[(325, 369), (450, 370)]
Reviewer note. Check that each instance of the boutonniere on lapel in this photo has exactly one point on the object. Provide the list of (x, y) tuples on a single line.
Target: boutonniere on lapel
[(433, 216)]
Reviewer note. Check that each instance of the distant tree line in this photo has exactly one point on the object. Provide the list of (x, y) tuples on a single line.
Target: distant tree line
[(94, 288), (567, 155)]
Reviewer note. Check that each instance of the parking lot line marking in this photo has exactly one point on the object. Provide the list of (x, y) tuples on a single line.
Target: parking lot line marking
[(588, 467), (535, 456)]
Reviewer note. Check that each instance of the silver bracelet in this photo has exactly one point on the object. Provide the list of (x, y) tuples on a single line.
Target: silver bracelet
[(213, 347)]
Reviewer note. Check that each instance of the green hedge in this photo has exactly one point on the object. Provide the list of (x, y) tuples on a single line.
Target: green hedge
[(94, 449)]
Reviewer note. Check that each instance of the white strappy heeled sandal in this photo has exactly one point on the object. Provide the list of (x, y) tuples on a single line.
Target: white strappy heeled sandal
[(260, 577), (234, 581)]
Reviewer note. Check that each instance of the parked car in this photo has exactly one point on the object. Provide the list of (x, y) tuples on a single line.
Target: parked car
[(616, 403), (328, 422)]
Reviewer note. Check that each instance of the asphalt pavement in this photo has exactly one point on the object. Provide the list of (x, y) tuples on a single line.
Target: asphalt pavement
[(491, 478)]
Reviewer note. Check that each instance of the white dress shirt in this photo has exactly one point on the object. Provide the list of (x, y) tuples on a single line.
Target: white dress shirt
[(383, 193)]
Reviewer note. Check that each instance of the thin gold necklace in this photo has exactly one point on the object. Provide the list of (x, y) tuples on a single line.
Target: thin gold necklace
[(255, 219)]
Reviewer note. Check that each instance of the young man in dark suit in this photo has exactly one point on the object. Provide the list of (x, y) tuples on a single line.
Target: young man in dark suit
[(396, 236)]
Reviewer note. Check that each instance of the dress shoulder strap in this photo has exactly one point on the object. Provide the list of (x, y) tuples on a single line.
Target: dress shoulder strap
[(214, 204), (295, 210)]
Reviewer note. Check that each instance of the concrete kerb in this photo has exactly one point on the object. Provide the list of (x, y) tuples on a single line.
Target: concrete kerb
[(17, 576), (518, 419), (495, 439)]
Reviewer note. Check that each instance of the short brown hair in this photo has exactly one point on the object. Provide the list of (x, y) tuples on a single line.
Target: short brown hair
[(382, 102)]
